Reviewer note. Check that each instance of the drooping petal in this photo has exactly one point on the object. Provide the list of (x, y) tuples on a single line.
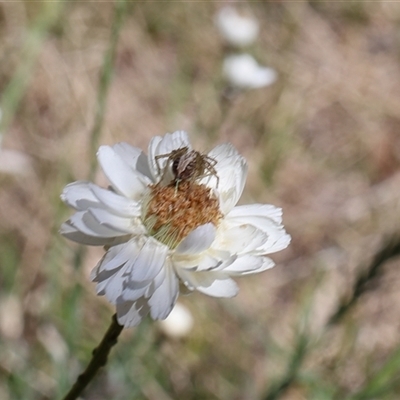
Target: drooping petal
[(231, 169), (134, 290), (127, 271), (110, 272), (115, 257), (248, 264), (213, 284), (131, 313), (79, 196), (164, 297), (71, 233), (118, 205), (149, 261), (114, 270), (115, 223), (198, 240), (85, 222), (123, 178)]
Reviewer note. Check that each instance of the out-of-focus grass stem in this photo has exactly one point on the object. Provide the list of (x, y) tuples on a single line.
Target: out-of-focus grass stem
[(105, 82), (101, 103), (378, 384), (35, 36), (293, 368), (390, 249)]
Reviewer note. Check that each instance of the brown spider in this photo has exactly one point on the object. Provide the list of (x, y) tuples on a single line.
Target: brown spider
[(188, 165)]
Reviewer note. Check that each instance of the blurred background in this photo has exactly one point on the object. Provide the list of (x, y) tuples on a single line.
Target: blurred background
[(309, 93)]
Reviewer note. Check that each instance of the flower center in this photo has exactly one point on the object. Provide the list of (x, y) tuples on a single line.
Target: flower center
[(171, 212)]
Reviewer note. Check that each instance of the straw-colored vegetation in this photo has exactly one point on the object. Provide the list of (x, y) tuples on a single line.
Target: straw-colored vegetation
[(322, 143)]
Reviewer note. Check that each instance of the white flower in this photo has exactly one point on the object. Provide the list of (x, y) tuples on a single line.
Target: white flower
[(236, 29), (14, 162), (159, 230), (244, 72), (179, 322)]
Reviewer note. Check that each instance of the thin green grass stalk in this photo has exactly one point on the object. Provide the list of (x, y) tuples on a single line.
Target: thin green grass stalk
[(13, 92), (100, 354), (301, 347), (105, 82), (385, 381), (294, 366), (389, 250)]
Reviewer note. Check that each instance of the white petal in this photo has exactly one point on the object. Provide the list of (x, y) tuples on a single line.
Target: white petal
[(117, 204), (197, 262), (210, 283), (123, 178), (248, 264), (114, 223), (71, 233), (113, 286), (115, 257), (149, 261), (267, 220), (231, 169), (173, 141), (134, 291), (85, 222), (198, 240), (258, 210), (160, 146), (239, 239), (79, 196), (111, 272), (163, 299), (153, 145), (128, 153), (131, 313), (135, 158)]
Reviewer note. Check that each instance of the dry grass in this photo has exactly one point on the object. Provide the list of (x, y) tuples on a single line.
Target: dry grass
[(323, 143)]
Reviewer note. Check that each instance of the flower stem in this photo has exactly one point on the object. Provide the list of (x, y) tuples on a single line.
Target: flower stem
[(99, 359)]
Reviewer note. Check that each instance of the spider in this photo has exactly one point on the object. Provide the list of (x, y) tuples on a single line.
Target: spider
[(188, 165)]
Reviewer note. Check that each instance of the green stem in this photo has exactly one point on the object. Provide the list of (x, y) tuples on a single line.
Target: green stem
[(106, 75), (295, 363), (99, 359)]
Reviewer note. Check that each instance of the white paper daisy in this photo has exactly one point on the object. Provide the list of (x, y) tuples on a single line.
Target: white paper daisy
[(170, 217)]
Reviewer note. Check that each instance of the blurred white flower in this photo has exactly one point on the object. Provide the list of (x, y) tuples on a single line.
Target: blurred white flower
[(243, 71), (14, 162), (236, 29), (179, 322), (170, 216)]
